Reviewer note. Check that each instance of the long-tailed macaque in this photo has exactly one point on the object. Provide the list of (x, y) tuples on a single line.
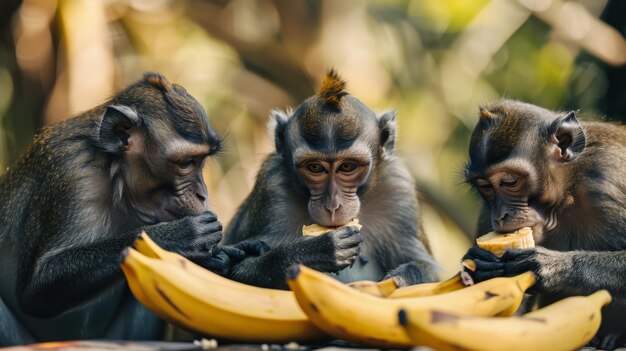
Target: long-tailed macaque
[(82, 193), (566, 180), (334, 161)]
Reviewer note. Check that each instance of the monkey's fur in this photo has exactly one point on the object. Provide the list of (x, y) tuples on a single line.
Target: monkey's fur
[(82, 193), (570, 189), (334, 161)]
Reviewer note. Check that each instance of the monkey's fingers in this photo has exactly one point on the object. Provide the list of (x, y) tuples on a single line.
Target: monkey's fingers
[(349, 254), (207, 217), (476, 253), (254, 247), (220, 264), (234, 253), (517, 254), (207, 240), (213, 227), (347, 238), (480, 276)]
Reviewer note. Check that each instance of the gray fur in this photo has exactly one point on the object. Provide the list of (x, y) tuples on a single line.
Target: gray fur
[(580, 193)]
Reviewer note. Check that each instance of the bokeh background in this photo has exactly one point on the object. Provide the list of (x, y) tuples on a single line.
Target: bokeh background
[(433, 61)]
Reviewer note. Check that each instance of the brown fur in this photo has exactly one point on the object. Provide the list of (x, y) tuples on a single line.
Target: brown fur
[(332, 90)]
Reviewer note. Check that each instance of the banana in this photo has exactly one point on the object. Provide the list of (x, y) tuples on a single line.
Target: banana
[(349, 314), (565, 325), (135, 287), (427, 289), (498, 243), (212, 305), (383, 288)]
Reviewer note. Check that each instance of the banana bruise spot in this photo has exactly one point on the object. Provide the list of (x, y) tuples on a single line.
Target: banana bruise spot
[(402, 317), (314, 308), (442, 317), (489, 295), (169, 301)]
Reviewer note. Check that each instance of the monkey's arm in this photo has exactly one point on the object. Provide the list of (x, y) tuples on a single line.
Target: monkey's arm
[(422, 268), (66, 275), (562, 272), (330, 252)]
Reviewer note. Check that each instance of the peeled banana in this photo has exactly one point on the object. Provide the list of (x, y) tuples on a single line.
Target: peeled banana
[(351, 315), (187, 295), (498, 243), (565, 325)]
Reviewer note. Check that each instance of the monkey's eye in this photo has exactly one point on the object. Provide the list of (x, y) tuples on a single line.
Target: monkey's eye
[(315, 168), (509, 182), (186, 163), (347, 167), (483, 184)]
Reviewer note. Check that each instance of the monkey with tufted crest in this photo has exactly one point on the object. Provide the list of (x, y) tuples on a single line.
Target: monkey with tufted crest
[(333, 161), (565, 179)]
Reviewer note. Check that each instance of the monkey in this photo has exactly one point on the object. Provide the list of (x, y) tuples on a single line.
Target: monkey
[(333, 161), (563, 178), (83, 192)]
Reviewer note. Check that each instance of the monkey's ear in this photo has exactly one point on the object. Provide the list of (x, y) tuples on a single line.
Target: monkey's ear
[(567, 137), (115, 128), (277, 125), (387, 130)]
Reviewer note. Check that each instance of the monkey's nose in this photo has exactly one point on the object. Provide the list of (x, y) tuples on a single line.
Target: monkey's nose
[(502, 217), (201, 197), (332, 207)]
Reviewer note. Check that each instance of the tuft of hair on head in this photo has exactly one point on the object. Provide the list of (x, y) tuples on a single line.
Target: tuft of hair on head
[(158, 81), (333, 89), (484, 113)]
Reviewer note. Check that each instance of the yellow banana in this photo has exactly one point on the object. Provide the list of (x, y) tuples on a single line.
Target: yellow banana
[(135, 287), (349, 314), (427, 289), (565, 325), (388, 287), (382, 288), (214, 305)]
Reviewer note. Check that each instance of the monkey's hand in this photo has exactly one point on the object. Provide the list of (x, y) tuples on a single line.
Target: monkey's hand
[(407, 274), (223, 258), (487, 264), (548, 265), (188, 236), (332, 251), (253, 247)]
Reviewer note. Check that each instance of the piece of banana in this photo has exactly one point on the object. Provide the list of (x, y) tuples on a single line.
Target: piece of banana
[(565, 325), (212, 305), (317, 230), (498, 243), (351, 315)]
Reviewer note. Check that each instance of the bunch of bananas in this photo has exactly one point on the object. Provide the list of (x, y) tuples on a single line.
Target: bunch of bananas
[(445, 316), (192, 297), (568, 324), (351, 315)]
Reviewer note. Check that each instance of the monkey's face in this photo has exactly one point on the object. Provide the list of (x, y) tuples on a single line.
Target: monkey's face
[(334, 144), (506, 192), (166, 183), (519, 155), (333, 183), (158, 137)]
